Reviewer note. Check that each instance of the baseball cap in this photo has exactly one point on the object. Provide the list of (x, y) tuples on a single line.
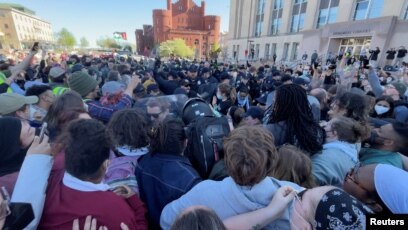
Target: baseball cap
[(56, 72), (300, 81), (11, 102), (254, 112)]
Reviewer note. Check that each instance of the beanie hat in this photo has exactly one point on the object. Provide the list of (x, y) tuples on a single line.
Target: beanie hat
[(82, 83), (401, 88)]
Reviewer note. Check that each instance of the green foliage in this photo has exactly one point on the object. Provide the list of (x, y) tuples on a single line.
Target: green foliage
[(215, 50), (66, 39), (176, 47), (108, 42), (83, 42)]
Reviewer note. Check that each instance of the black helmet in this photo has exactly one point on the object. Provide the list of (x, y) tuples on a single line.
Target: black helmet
[(195, 107)]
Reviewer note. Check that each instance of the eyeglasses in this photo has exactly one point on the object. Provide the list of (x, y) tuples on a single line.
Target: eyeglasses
[(353, 176), (154, 115), (4, 205)]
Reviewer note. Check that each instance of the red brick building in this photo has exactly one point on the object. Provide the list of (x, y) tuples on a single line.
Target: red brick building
[(145, 40), (186, 20)]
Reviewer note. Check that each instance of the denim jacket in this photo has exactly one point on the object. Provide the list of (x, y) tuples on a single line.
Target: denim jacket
[(163, 178)]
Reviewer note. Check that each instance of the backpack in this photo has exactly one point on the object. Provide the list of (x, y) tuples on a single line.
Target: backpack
[(121, 171), (205, 142)]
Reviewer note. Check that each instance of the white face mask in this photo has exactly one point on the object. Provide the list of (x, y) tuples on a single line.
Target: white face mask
[(379, 109)]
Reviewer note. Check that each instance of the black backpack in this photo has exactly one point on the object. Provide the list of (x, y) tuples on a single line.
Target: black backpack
[(205, 142), (205, 134)]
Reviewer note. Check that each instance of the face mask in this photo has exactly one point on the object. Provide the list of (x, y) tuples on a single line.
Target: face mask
[(379, 109), (219, 96)]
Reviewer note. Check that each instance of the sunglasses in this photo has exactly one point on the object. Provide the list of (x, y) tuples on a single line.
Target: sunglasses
[(154, 115), (4, 205)]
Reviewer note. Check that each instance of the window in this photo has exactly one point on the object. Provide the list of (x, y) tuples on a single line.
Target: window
[(278, 4), (257, 51), (406, 13), (267, 47), (6, 26), (366, 9), (273, 50), (298, 16), (295, 48), (285, 51), (327, 12), (276, 21), (259, 17)]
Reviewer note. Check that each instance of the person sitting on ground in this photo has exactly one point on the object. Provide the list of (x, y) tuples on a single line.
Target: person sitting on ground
[(250, 156), (387, 143), (128, 132), (340, 152), (381, 187), (294, 166), (78, 191)]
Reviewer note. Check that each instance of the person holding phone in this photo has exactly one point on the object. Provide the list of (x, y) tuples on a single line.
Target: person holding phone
[(16, 137)]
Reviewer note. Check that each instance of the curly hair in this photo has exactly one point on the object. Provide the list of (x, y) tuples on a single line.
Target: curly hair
[(128, 127), (294, 165), (250, 154), (291, 105), (86, 147)]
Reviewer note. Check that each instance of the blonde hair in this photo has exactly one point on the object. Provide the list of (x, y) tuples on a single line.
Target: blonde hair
[(295, 166)]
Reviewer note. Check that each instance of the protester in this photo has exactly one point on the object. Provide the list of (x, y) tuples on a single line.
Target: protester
[(67, 107), (78, 190), (295, 166), (15, 138), (16, 105), (291, 120), (128, 132), (372, 185), (45, 100), (340, 152), (248, 164), (156, 170)]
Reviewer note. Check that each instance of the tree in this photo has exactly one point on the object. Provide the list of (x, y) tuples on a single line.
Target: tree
[(176, 47), (66, 39), (83, 42), (107, 42), (215, 50)]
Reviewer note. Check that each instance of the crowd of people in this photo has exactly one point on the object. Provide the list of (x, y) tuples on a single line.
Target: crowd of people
[(93, 143)]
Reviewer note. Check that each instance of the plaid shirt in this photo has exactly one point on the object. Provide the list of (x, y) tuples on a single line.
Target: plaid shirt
[(104, 112)]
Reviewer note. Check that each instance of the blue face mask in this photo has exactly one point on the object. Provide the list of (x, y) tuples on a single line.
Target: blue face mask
[(306, 72), (219, 96)]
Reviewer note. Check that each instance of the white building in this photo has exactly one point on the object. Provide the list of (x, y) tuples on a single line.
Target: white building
[(20, 27), (288, 28)]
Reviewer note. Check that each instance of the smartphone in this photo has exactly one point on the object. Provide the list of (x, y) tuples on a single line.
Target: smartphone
[(42, 132), (35, 46)]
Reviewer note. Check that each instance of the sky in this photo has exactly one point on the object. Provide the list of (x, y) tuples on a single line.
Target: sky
[(93, 19)]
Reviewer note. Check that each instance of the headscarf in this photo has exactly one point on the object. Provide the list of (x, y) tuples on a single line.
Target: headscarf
[(393, 192), (339, 210), (11, 154)]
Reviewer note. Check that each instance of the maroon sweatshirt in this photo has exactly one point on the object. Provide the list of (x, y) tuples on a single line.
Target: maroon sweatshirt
[(63, 205)]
